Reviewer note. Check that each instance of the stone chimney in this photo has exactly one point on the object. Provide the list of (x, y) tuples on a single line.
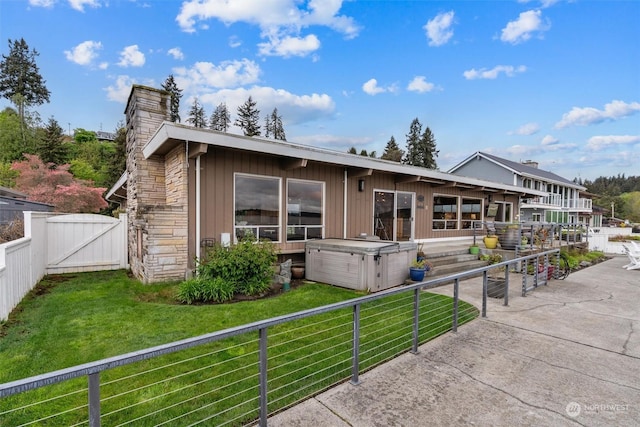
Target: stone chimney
[(156, 193)]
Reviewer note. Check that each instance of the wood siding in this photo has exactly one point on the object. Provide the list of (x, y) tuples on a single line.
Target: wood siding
[(219, 165)]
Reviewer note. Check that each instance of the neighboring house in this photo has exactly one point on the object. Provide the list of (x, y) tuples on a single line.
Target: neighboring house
[(13, 203), (186, 188), (564, 201)]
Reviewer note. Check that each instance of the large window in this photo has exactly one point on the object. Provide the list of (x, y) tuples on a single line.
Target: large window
[(471, 209), (305, 207), (257, 207), (445, 213)]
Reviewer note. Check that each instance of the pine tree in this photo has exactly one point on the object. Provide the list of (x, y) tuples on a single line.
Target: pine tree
[(220, 119), (51, 148), (352, 150), (248, 118), (196, 115), (392, 151), (430, 153), (20, 79), (170, 86), (421, 147), (412, 155), (273, 127)]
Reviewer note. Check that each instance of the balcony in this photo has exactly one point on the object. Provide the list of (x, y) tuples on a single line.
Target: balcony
[(579, 204), (556, 201)]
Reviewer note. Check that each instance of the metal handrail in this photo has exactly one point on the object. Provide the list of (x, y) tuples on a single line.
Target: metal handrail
[(93, 369)]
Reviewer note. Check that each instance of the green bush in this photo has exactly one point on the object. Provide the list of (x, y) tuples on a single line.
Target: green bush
[(244, 268)]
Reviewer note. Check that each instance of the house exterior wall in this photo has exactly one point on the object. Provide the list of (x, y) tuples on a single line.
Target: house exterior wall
[(156, 194), (485, 169)]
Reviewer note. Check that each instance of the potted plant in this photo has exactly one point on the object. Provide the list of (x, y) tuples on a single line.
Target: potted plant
[(490, 241), (474, 249), (508, 236), (418, 269)]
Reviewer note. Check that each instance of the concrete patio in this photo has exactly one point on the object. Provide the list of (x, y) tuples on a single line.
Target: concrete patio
[(566, 354)]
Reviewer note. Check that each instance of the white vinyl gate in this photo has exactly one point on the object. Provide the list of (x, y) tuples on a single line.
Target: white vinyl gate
[(86, 242)]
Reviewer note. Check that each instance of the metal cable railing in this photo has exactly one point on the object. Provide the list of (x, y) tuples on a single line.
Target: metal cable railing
[(238, 377)]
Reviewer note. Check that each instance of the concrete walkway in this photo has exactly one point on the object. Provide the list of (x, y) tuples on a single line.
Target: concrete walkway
[(566, 354)]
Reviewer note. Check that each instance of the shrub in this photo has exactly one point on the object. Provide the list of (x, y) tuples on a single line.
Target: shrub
[(12, 231), (202, 289), (244, 268)]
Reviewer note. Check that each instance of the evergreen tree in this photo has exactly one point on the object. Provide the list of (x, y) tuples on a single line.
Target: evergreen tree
[(412, 155), (352, 150), (274, 127), (430, 153), (196, 115), (170, 86), (421, 147), (20, 79), (220, 119), (51, 148), (392, 151), (248, 118)]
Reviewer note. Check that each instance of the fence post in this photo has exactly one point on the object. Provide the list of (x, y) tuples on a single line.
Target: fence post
[(525, 264), (263, 377), (94, 399), (454, 326), (416, 314), (506, 284), (484, 293), (355, 363)]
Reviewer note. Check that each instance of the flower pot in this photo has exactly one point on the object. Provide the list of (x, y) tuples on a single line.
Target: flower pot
[(508, 239), (297, 272), (474, 250), (417, 274), (490, 242)]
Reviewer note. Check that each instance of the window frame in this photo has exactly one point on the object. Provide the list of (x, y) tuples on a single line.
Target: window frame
[(306, 227), (446, 221), (257, 227)]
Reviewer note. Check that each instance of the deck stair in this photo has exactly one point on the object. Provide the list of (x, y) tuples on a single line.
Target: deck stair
[(451, 259)]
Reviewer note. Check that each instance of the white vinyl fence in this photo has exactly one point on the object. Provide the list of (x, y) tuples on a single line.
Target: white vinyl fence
[(599, 239), (55, 243)]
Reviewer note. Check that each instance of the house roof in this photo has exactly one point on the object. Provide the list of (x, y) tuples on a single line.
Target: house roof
[(520, 169), (11, 193), (170, 134)]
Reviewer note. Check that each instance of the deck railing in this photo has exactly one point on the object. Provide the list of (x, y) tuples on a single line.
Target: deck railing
[(241, 375)]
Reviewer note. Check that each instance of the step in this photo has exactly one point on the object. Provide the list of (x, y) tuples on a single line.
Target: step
[(451, 259), (448, 269)]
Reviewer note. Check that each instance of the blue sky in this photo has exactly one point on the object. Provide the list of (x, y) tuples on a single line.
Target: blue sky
[(553, 81)]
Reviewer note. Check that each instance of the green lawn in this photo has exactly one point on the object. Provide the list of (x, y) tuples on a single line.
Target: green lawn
[(79, 318)]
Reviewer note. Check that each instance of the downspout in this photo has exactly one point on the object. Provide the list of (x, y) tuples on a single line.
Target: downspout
[(197, 252), (344, 210)]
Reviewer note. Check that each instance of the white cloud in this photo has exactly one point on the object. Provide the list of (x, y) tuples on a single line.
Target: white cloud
[(420, 84), (543, 3), (519, 150), (289, 46), (293, 108), (521, 29), (80, 4), (439, 29), (176, 53), (549, 140), (493, 73), (42, 3), (234, 41), (527, 129), (371, 87), (120, 91), (131, 57), (280, 21), (204, 76), (84, 53), (600, 142), (588, 115)]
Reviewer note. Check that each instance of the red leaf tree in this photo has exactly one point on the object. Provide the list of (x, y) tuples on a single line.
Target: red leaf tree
[(57, 186)]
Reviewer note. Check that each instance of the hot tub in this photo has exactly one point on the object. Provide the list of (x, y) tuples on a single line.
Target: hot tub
[(360, 264)]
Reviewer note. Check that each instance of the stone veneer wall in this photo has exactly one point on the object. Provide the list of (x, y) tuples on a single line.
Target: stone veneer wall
[(156, 193)]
